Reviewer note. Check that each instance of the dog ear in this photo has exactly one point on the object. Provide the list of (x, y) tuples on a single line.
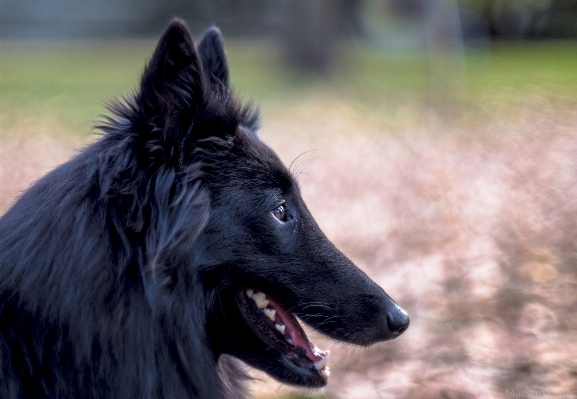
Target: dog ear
[(172, 83), (213, 56)]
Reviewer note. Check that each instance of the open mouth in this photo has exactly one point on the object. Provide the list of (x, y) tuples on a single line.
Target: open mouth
[(280, 329)]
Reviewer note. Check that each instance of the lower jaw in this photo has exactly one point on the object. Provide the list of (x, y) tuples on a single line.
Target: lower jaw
[(303, 376), (295, 368)]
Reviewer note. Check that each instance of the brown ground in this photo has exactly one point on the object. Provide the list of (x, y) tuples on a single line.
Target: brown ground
[(475, 235)]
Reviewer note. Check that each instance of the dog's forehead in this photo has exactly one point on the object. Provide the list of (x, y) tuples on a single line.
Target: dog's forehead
[(259, 158)]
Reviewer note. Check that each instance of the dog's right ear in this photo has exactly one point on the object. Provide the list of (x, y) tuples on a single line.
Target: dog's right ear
[(213, 56), (172, 84)]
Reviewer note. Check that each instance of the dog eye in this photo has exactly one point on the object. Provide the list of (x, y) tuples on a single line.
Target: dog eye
[(280, 213)]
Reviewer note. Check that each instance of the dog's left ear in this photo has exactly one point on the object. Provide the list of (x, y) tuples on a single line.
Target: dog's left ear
[(213, 56), (216, 75)]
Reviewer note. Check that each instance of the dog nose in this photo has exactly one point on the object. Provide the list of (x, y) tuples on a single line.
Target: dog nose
[(397, 321)]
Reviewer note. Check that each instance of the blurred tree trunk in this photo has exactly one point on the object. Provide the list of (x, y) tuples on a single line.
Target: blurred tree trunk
[(313, 30), (444, 38)]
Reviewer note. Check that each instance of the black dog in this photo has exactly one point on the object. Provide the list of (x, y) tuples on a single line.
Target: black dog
[(175, 238)]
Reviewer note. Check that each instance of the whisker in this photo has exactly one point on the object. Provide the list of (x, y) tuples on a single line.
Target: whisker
[(223, 312), (300, 155), (305, 166)]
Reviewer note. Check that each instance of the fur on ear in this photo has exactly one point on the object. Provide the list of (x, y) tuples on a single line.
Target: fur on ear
[(213, 56), (179, 104), (172, 85), (216, 76)]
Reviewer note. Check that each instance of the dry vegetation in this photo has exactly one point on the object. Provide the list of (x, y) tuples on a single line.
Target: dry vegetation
[(473, 233)]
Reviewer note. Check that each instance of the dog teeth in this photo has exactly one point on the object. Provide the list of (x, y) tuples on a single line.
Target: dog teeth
[(325, 372), (260, 299), (270, 313), (320, 353), (280, 328), (323, 362)]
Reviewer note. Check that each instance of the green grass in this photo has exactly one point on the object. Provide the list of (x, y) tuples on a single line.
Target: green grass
[(65, 83), (62, 86), (545, 66)]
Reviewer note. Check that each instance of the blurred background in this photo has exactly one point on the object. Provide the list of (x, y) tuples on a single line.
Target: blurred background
[(435, 142)]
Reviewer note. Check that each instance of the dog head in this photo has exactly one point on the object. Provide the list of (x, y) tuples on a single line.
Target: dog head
[(227, 215)]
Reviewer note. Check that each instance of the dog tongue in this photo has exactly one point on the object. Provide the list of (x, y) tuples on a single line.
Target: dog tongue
[(297, 335)]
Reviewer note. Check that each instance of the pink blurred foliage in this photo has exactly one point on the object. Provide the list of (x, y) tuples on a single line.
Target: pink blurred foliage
[(474, 234), (26, 159)]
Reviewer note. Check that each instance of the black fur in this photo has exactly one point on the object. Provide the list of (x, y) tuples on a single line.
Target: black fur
[(121, 271)]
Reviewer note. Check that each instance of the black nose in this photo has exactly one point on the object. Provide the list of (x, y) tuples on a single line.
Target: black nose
[(397, 321)]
